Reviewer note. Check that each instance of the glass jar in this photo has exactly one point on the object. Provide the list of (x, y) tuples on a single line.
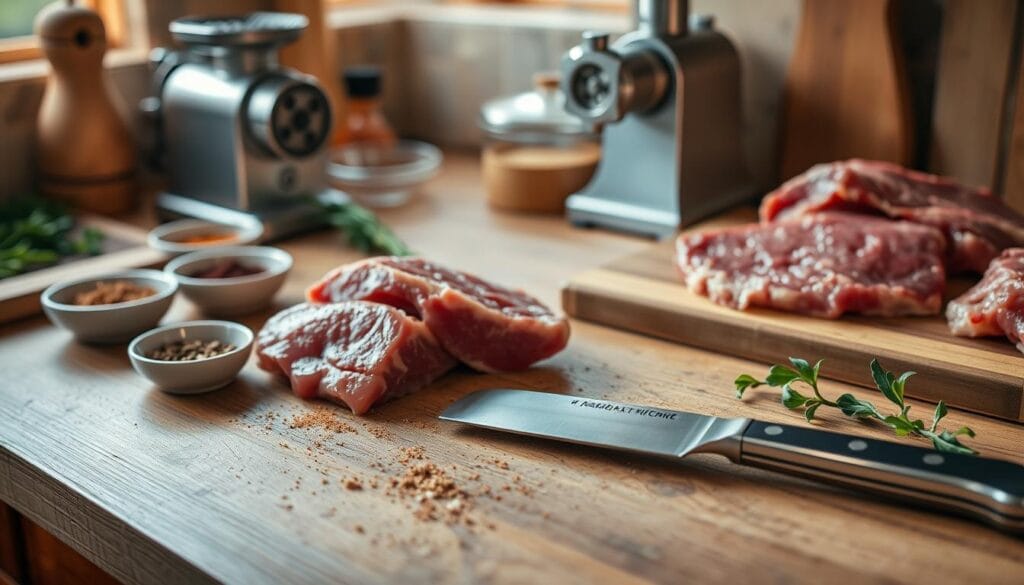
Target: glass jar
[(535, 153)]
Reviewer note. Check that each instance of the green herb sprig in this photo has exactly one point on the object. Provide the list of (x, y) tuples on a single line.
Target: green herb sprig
[(364, 229), (889, 384), (35, 233)]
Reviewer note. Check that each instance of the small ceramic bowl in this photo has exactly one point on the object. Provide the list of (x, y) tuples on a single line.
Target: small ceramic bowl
[(195, 376), (115, 322), (240, 295), (170, 238)]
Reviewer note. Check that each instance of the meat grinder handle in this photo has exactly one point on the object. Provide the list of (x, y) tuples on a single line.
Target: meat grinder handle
[(985, 489)]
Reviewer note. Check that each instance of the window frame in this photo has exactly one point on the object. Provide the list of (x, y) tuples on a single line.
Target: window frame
[(26, 48)]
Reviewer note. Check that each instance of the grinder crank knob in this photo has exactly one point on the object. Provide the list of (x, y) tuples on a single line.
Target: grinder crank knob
[(602, 85)]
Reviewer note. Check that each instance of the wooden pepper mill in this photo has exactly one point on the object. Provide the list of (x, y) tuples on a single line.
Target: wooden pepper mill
[(85, 154)]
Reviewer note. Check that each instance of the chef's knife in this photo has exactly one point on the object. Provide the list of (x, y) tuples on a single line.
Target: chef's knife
[(985, 489)]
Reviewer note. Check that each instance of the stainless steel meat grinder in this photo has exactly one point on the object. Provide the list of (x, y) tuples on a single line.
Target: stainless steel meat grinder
[(240, 137), (668, 95)]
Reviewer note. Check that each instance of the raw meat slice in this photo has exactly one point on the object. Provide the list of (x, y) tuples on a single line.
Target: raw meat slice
[(354, 353), (486, 326), (977, 226), (994, 306), (823, 265)]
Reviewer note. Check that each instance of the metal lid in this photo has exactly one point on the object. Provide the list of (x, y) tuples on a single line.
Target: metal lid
[(535, 113), (257, 28)]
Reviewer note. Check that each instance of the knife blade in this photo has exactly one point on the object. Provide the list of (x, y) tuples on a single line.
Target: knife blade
[(989, 490)]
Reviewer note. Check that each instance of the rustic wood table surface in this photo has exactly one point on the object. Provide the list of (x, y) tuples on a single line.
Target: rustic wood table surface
[(160, 489)]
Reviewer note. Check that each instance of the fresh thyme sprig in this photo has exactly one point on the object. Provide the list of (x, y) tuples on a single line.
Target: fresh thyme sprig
[(889, 384), (364, 229)]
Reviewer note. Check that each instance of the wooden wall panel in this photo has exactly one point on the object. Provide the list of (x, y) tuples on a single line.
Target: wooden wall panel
[(29, 554), (51, 562), (1013, 165), (765, 36), (973, 78), (10, 544), (846, 90)]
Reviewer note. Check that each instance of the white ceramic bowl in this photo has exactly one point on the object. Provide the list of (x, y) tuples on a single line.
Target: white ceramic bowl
[(383, 176), (197, 376), (113, 323), (168, 237), (240, 295)]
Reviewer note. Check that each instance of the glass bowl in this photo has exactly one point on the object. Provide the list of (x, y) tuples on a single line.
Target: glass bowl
[(383, 176)]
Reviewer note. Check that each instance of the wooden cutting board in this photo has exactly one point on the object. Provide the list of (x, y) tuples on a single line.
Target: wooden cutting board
[(642, 293), (124, 247)]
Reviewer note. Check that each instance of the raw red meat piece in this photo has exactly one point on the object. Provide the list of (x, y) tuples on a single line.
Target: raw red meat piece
[(486, 326), (823, 265), (994, 306), (358, 354), (977, 226)]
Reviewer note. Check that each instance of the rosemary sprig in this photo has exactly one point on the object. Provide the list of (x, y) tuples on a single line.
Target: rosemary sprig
[(889, 384), (364, 229)]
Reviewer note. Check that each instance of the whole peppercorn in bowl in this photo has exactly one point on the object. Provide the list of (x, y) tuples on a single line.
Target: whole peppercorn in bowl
[(192, 357)]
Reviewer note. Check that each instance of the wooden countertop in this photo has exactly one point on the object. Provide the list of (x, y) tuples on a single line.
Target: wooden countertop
[(158, 488)]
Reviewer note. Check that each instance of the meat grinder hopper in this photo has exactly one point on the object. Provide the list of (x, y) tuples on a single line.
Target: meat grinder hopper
[(668, 98)]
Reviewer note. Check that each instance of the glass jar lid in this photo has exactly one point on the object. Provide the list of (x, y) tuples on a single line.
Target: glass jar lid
[(533, 115)]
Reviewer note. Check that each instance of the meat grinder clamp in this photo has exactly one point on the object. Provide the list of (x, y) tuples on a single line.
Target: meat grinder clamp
[(668, 98)]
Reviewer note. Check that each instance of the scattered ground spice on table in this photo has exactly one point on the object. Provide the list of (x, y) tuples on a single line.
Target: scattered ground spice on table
[(379, 432), (407, 454), (430, 492), (438, 495), (321, 418)]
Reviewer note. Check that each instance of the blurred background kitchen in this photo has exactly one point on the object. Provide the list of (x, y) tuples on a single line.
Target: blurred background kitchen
[(958, 65)]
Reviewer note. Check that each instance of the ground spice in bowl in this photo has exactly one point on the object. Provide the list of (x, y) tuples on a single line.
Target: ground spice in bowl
[(208, 238), (187, 351), (227, 268), (118, 291)]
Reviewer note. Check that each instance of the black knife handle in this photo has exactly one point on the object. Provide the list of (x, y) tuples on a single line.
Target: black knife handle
[(986, 489)]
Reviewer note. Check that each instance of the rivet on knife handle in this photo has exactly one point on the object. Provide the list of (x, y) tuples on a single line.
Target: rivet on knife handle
[(987, 489)]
